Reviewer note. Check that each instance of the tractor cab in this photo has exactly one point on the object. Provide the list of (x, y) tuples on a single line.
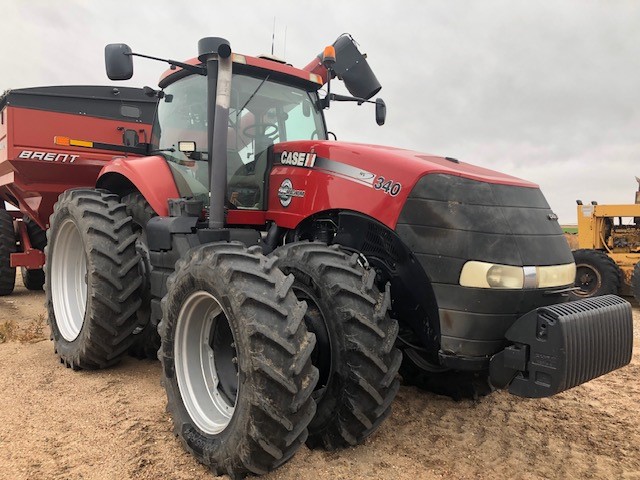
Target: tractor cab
[(265, 109)]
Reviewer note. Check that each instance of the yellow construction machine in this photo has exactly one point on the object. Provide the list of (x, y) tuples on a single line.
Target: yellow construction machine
[(608, 254)]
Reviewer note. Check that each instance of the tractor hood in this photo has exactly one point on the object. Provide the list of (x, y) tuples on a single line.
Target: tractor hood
[(409, 165), (370, 179)]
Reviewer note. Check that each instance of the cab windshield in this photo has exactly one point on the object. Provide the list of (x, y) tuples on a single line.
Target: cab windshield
[(262, 112)]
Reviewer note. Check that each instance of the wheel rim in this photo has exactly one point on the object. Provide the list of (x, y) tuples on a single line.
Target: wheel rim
[(588, 279), (205, 362), (69, 280)]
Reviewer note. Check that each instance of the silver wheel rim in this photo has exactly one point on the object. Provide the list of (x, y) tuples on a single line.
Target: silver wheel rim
[(69, 280), (195, 363)]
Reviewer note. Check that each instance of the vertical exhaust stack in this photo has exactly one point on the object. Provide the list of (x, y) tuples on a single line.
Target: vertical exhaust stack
[(216, 53), (351, 67)]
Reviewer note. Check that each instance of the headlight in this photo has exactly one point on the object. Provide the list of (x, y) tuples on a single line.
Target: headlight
[(556, 275), (491, 275)]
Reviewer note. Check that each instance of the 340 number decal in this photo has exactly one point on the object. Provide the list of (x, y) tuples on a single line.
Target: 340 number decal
[(387, 186)]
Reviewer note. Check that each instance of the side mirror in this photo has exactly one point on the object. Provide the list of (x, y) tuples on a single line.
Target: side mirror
[(118, 61), (381, 111)]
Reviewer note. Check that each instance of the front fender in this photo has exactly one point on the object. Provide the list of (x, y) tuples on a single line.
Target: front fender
[(151, 176)]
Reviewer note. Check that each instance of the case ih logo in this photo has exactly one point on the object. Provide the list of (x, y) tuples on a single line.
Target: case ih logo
[(286, 192), (49, 156), (298, 159)]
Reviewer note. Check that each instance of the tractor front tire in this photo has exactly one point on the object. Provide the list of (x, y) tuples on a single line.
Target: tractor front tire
[(355, 351), (91, 279), (7, 247), (596, 274), (236, 360), (34, 279)]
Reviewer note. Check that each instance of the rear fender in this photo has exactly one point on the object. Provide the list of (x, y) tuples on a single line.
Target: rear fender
[(151, 176)]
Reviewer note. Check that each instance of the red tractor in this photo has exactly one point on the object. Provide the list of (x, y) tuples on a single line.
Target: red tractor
[(290, 277)]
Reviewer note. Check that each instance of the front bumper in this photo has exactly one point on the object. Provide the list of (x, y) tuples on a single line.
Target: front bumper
[(558, 347)]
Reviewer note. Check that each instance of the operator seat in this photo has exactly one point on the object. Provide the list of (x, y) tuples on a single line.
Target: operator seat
[(248, 181)]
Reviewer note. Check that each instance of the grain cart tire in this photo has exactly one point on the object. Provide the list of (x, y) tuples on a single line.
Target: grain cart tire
[(7, 247), (92, 280), (355, 351), (34, 279), (236, 360), (146, 338), (635, 282), (596, 274)]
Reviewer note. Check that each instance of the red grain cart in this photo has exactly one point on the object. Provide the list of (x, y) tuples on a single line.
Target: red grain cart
[(34, 170)]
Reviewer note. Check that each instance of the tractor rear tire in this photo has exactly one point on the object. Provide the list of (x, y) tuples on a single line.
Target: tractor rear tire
[(146, 338), (596, 274), (34, 279), (92, 280), (7, 247), (236, 360), (355, 351)]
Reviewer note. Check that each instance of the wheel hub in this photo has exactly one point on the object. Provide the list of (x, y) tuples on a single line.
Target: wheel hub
[(69, 280), (587, 279), (206, 362)]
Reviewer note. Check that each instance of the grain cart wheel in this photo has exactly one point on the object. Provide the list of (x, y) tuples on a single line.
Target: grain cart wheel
[(34, 279), (7, 247), (236, 360), (355, 350), (91, 279), (146, 339), (596, 274)]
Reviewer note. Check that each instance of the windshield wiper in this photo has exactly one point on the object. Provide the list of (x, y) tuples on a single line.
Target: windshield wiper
[(252, 95)]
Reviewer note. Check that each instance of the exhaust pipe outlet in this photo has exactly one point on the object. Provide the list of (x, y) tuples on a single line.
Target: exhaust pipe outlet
[(213, 46)]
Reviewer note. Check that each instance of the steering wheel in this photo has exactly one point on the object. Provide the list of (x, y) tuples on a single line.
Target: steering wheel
[(262, 129)]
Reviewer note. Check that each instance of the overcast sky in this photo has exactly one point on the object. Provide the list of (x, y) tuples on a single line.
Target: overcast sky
[(546, 91)]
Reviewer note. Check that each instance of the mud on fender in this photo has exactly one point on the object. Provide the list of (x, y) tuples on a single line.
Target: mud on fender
[(561, 346)]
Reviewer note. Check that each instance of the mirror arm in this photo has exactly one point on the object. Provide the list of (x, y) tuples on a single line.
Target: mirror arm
[(173, 63)]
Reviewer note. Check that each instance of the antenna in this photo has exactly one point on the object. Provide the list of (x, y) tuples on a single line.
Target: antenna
[(284, 54), (273, 34)]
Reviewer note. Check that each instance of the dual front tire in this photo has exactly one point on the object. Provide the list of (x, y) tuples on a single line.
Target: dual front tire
[(236, 360), (262, 354)]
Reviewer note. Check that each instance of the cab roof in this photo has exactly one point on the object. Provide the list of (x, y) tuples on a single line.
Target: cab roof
[(268, 65)]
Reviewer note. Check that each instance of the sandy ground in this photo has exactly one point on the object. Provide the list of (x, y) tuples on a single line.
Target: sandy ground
[(59, 424)]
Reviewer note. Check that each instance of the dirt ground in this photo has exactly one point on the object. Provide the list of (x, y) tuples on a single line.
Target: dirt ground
[(59, 424)]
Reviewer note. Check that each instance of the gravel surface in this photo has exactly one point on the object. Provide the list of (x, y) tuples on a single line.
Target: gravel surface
[(59, 424)]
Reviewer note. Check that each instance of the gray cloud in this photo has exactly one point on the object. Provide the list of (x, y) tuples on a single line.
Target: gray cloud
[(547, 91)]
